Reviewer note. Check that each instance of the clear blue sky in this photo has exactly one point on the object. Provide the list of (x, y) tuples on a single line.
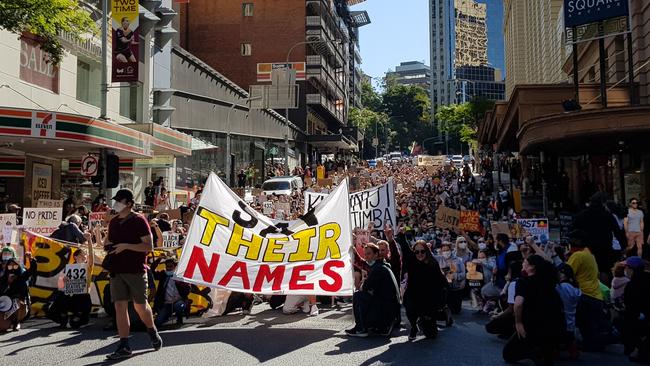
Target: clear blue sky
[(399, 32)]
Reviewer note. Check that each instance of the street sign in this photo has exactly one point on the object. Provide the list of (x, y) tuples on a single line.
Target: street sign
[(89, 166)]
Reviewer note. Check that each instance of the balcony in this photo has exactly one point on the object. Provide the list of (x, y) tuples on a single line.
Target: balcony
[(316, 21), (319, 100)]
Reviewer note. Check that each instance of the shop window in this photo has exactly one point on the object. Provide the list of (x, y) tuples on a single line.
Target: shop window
[(88, 82), (247, 9), (246, 49)]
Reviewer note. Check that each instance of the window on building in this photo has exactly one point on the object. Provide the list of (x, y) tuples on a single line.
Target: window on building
[(88, 82), (247, 9), (130, 102), (246, 49)]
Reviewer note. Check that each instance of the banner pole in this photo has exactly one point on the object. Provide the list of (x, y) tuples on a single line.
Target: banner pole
[(104, 85)]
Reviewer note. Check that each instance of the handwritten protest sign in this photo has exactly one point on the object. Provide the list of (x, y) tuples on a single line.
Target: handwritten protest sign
[(447, 218), (43, 203), (325, 182), (96, 218), (537, 228), (42, 221), (76, 279), (375, 205), (171, 240), (469, 221), (229, 245)]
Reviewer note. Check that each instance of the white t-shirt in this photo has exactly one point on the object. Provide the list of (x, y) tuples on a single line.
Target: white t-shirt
[(511, 292)]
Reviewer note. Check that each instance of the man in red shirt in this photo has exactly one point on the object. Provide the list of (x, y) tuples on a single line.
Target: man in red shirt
[(129, 241)]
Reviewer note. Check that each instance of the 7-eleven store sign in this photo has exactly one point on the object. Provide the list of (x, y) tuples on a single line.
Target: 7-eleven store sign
[(44, 124)]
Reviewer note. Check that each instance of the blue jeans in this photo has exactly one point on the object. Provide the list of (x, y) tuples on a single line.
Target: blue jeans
[(177, 308)]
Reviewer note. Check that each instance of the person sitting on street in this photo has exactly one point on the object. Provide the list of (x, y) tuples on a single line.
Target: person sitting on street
[(570, 295), (79, 305), (14, 295), (503, 323), (295, 303), (171, 295), (376, 305)]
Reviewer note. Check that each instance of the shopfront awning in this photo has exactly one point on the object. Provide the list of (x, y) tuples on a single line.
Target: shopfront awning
[(165, 141), (330, 143), (57, 135)]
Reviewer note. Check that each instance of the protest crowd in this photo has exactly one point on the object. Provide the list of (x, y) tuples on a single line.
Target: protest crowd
[(433, 240)]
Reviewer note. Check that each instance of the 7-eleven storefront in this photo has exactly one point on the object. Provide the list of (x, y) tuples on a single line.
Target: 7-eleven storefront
[(41, 152)]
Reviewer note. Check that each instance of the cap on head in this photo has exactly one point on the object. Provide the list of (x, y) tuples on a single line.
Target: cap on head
[(123, 194), (635, 262)]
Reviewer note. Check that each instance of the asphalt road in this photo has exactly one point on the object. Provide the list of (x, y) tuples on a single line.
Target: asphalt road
[(267, 337)]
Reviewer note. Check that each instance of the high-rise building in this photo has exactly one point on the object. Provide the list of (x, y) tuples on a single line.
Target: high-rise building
[(461, 37), (246, 40), (534, 48), (494, 23), (471, 34), (412, 73)]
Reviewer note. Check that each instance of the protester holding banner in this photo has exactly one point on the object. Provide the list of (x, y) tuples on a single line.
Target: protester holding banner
[(129, 241)]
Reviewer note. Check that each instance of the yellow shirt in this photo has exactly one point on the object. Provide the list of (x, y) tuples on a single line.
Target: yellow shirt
[(585, 268)]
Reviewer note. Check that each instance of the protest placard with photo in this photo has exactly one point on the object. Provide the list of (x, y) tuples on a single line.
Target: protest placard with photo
[(42, 221), (8, 224), (76, 277), (229, 245)]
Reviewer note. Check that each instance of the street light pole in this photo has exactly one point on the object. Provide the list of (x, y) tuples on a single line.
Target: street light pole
[(286, 110)]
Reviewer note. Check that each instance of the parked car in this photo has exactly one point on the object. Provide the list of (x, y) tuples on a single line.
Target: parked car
[(457, 160), (282, 185)]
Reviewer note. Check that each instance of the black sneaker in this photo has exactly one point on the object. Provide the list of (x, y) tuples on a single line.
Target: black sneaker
[(354, 332), (122, 352), (156, 342), (413, 334)]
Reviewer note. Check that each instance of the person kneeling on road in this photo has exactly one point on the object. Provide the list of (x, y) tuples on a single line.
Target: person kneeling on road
[(171, 295), (376, 305)]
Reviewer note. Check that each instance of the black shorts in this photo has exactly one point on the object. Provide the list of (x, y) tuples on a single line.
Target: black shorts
[(126, 53)]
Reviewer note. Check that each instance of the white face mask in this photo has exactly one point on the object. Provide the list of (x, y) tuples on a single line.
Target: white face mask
[(119, 207), (462, 245), (482, 246), (446, 255)]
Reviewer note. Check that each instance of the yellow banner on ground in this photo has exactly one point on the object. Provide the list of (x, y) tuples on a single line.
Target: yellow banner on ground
[(52, 256)]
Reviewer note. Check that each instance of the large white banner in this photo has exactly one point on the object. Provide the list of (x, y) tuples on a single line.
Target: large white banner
[(229, 245), (375, 205)]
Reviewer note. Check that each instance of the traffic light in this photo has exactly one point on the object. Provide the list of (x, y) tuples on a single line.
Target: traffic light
[(112, 171)]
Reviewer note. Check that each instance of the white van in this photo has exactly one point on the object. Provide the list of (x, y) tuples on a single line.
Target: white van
[(282, 185)]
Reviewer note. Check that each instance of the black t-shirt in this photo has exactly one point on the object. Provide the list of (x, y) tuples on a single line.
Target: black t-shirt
[(543, 315), (121, 45)]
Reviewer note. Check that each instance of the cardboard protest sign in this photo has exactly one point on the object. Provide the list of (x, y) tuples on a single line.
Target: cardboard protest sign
[(96, 218), (174, 214), (43, 203), (241, 192), (320, 172), (325, 182), (500, 228), (42, 221), (8, 225), (76, 276), (537, 228), (283, 206), (171, 240), (231, 246), (375, 205), (447, 218), (469, 221)]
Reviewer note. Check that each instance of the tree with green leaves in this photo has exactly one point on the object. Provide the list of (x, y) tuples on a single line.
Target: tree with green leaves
[(46, 19), (462, 120), (408, 109)]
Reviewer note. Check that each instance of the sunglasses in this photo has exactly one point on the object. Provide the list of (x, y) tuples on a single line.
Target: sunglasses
[(420, 251)]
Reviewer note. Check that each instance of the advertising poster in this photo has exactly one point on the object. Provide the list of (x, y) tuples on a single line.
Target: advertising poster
[(41, 182), (126, 49)]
